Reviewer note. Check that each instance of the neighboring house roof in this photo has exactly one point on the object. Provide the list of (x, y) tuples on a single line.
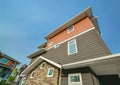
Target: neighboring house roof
[(82, 15), (8, 57), (3, 65)]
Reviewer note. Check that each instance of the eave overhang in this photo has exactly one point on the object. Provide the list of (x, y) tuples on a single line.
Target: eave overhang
[(86, 13), (42, 45), (37, 53), (104, 65)]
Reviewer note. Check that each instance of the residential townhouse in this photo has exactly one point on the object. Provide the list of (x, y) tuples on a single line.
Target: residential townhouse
[(7, 65), (74, 54)]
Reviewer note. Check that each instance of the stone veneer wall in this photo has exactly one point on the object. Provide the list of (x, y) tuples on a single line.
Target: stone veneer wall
[(40, 76)]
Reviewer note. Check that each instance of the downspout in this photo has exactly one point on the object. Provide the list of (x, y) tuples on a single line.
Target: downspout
[(60, 76)]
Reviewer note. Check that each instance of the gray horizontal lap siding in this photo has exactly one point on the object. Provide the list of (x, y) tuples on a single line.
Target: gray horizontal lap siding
[(33, 59), (86, 79), (64, 80), (88, 44)]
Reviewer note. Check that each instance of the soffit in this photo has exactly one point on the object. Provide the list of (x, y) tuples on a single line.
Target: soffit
[(106, 66)]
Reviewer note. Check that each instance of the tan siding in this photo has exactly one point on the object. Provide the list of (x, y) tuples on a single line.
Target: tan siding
[(40, 76), (33, 59), (87, 79), (64, 81)]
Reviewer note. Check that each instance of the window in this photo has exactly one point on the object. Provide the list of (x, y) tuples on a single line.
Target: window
[(23, 81), (4, 60), (72, 47), (74, 79), (71, 29), (32, 74), (42, 66), (56, 46), (50, 72)]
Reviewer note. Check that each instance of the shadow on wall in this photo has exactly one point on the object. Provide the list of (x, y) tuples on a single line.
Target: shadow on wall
[(109, 80)]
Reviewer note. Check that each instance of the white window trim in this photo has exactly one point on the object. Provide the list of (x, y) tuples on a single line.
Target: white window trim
[(78, 74), (41, 66), (6, 62), (68, 31), (75, 47), (48, 72), (56, 46), (23, 81), (32, 74)]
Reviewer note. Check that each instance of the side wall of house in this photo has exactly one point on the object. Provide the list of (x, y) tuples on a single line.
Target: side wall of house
[(40, 76)]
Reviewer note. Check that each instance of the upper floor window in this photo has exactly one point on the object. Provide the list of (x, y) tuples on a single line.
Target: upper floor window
[(74, 79), (72, 47), (56, 46), (70, 29), (42, 66), (4, 60), (32, 74), (50, 72)]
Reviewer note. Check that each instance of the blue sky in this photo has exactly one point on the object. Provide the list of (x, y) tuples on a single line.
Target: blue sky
[(25, 23)]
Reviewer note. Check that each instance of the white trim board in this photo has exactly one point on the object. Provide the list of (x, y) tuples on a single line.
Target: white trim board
[(30, 66), (72, 37), (54, 63), (93, 60)]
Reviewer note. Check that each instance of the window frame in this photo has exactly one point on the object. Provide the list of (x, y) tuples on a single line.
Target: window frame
[(41, 66), (4, 62), (76, 50), (76, 74), (31, 75), (68, 30), (56, 45), (49, 71)]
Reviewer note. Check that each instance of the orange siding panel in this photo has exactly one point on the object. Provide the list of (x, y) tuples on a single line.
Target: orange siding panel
[(9, 63), (79, 27)]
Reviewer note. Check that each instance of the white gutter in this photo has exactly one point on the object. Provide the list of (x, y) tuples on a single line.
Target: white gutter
[(93, 60), (54, 63), (29, 66), (60, 76)]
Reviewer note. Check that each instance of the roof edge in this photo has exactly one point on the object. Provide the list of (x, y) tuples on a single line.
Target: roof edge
[(85, 13), (3, 54)]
